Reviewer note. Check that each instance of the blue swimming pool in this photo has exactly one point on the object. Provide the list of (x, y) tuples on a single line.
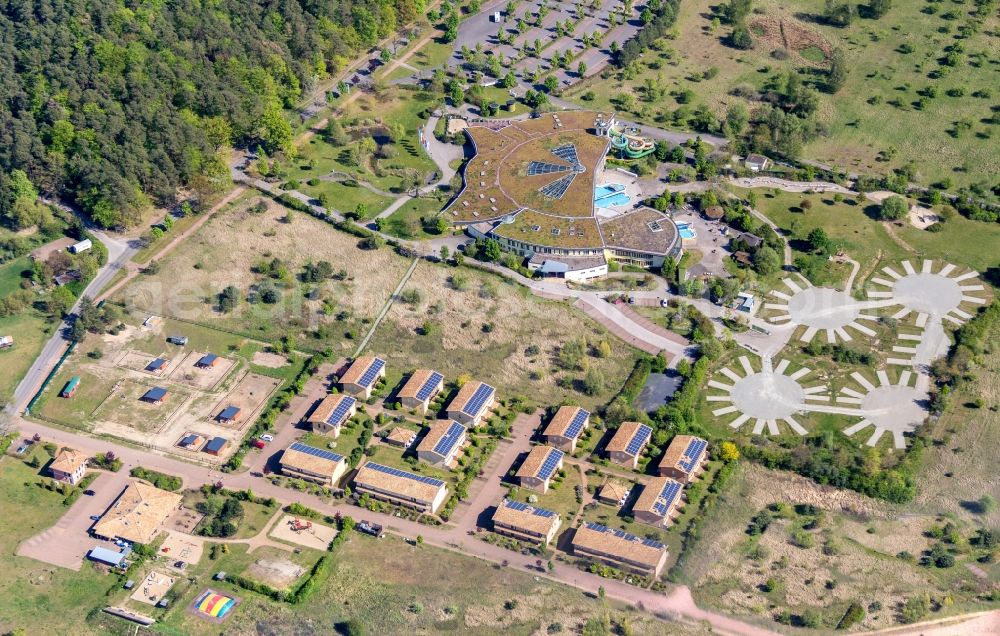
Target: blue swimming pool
[(610, 194), (685, 230)]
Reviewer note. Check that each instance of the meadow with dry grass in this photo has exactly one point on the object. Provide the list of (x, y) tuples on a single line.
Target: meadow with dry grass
[(461, 321), (225, 251)]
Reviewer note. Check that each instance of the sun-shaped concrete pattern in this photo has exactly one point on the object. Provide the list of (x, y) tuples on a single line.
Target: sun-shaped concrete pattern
[(819, 309), (929, 293), (765, 396), (897, 408)]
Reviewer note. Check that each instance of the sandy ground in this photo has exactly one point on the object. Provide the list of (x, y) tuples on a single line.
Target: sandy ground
[(205, 379), (152, 588), (318, 537), (182, 547), (922, 218), (269, 360), (278, 573)]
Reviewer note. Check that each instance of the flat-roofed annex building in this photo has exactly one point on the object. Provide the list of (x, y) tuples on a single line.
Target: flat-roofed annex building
[(619, 549), (659, 502), (538, 467), (400, 487), (526, 522), (442, 442), (137, 514), (362, 376), (685, 459), (313, 464), (69, 466), (625, 448), (471, 404), (332, 413), (420, 389), (565, 428)]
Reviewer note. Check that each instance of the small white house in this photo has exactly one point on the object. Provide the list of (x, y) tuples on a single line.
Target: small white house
[(82, 246)]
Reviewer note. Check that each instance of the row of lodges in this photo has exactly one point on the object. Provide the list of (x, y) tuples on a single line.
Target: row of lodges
[(385, 483), (472, 404)]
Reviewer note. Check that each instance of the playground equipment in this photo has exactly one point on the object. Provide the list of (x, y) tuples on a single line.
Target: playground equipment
[(298, 525), (625, 141)]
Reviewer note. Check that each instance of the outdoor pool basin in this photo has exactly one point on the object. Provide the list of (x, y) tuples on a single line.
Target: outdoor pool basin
[(610, 194), (685, 231)]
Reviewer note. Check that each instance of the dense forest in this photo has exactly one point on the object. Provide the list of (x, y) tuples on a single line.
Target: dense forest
[(114, 104)]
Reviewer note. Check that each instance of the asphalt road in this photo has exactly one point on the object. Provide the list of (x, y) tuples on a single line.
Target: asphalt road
[(120, 252)]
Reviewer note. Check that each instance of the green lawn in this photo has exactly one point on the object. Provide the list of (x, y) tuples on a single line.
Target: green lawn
[(30, 331), (561, 496), (405, 222), (10, 274)]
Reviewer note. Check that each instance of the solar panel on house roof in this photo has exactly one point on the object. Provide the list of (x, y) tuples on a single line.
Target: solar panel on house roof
[(653, 543), (694, 450), (522, 507), (208, 358), (316, 452), (429, 385), (402, 473), (638, 439), (371, 372), (576, 425), (478, 399), (229, 412), (156, 393), (667, 495), (156, 364), (343, 408), (550, 463), (447, 442)]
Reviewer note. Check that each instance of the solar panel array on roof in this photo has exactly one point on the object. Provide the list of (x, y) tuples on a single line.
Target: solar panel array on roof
[(207, 359), (343, 408), (229, 412), (576, 425), (478, 399), (523, 507), (371, 372), (156, 364), (621, 534), (558, 188), (429, 385), (388, 470), (667, 495), (316, 452), (567, 152), (543, 167), (638, 439), (447, 442), (550, 463), (694, 450)]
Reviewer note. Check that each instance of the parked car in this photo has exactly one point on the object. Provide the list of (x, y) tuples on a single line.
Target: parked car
[(267, 438), (95, 517), (21, 449), (89, 493)]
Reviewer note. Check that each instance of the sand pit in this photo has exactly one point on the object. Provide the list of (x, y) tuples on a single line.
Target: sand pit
[(269, 360), (922, 218), (181, 547), (318, 537), (249, 395), (152, 588), (278, 573), (205, 379)]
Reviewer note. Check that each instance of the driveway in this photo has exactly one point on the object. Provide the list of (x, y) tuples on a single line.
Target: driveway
[(67, 542)]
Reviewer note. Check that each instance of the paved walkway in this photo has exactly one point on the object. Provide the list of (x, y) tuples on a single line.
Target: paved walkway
[(791, 186)]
